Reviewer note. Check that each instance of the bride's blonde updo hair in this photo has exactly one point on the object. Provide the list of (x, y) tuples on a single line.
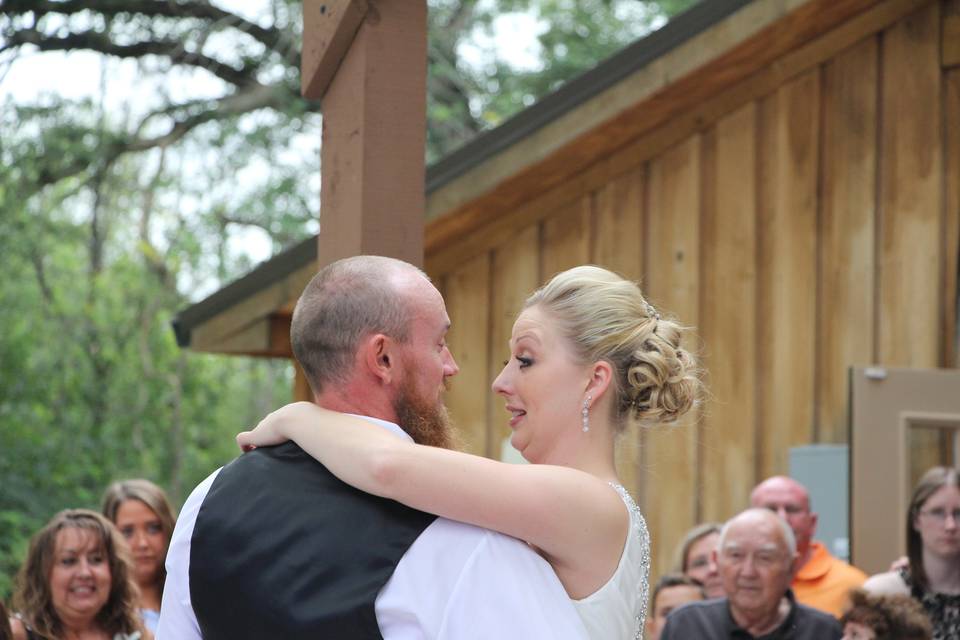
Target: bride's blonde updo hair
[(605, 317)]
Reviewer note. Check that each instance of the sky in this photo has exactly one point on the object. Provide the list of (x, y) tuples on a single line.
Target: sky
[(77, 75)]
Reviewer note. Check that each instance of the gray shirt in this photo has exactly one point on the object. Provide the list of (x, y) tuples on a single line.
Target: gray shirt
[(711, 620)]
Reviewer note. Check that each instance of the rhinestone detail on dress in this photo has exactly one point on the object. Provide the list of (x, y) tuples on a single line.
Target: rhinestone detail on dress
[(639, 526)]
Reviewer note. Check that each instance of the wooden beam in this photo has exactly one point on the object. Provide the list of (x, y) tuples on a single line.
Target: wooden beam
[(267, 337), (329, 27), (374, 134)]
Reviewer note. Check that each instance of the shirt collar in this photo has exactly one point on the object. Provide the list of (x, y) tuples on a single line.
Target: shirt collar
[(735, 631), (386, 424)]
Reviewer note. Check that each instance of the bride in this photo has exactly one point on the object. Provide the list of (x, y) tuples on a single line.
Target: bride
[(589, 357)]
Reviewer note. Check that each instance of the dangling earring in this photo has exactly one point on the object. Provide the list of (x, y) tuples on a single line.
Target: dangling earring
[(586, 414)]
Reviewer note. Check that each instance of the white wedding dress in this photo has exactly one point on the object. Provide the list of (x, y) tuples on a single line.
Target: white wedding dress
[(616, 610)]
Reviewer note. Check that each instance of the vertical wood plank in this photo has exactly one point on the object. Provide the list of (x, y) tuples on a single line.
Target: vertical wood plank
[(950, 33), (566, 238), (618, 242), (845, 309), (950, 350), (728, 277), (618, 245), (670, 453), (514, 277), (467, 295), (910, 192), (787, 244)]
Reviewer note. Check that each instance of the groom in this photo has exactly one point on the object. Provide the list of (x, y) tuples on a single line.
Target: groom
[(274, 546)]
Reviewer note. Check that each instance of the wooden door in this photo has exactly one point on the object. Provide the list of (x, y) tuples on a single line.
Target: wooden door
[(902, 422)]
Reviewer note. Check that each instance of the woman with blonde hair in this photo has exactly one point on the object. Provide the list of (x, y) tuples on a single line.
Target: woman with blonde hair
[(143, 515), (932, 574), (589, 356), (695, 558), (75, 583)]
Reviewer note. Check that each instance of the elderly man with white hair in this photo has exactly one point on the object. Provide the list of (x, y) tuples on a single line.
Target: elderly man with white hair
[(756, 558)]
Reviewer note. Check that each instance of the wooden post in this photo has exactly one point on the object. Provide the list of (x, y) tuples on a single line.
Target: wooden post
[(373, 93)]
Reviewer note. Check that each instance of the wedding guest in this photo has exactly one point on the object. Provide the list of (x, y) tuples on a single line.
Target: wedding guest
[(143, 515), (756, 558), (822, 581), (891, 617), (672, 591), (695, 557), (75, 582), (932, 575)]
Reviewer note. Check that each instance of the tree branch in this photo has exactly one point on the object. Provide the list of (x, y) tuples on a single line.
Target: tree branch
[(273, 38), (100, 43)]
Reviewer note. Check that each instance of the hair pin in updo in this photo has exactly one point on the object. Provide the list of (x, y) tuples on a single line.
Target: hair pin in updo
[(650, 311)]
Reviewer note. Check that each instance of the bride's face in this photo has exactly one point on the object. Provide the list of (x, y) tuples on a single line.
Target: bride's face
[(544, 388)]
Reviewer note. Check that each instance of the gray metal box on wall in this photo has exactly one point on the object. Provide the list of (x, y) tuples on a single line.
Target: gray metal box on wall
[(824, 469)]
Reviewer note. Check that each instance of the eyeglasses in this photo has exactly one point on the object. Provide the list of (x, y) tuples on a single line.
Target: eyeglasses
[(940, 515)]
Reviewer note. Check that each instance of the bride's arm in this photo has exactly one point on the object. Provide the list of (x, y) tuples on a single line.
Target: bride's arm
[(568, 514)]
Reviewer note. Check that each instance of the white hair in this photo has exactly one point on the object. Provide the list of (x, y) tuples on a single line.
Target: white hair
[(789, 539)]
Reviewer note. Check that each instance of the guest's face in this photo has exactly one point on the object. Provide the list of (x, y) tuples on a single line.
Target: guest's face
[(80, 579), (544, 389), (668, 599), (702, 567), (856, 631), (789, 500), (754, 563), (143, 531), (937, 523)]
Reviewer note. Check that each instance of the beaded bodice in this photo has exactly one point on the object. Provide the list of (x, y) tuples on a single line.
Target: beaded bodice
[(616, 611)]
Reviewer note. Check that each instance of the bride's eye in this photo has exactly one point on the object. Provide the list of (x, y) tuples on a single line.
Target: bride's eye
[(524, 361)]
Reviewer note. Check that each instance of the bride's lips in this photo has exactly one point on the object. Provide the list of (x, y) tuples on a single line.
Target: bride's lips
[(516, 414)]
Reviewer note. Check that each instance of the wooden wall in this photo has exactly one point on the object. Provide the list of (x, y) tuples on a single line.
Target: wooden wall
[(808, 224)]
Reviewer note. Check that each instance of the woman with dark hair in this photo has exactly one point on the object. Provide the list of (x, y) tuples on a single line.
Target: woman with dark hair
[(75, 582), (143, 515), (932, 575)]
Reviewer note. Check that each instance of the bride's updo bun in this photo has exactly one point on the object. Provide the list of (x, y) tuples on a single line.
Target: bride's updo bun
[(606, 317)]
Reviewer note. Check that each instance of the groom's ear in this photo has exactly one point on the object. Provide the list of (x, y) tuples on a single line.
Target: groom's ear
[(379, 356)]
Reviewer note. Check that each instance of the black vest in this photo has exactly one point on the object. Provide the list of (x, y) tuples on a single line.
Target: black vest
[(283, 549)]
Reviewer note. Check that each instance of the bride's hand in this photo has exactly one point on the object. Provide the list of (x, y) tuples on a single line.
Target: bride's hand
[(272, 430)]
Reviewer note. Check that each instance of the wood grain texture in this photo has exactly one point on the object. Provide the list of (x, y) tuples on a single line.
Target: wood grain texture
[(670, 453), (950, 331), (467, 293), (618, 245), (728, 277), (371, 193), (950, 33), (565, 238), (515, 276), (911, 192), (463, 225), (848, 213), (787, 282)]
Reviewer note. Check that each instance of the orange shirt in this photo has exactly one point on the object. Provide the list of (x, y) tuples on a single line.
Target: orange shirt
[(824, 582)]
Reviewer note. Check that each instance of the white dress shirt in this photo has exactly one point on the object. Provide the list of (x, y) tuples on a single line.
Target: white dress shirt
[(455, 582)]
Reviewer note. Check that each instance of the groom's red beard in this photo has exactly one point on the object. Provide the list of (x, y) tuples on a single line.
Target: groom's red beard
[(427, 422)]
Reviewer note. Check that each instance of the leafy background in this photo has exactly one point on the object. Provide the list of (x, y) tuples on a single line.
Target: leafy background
[(115, 213)]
